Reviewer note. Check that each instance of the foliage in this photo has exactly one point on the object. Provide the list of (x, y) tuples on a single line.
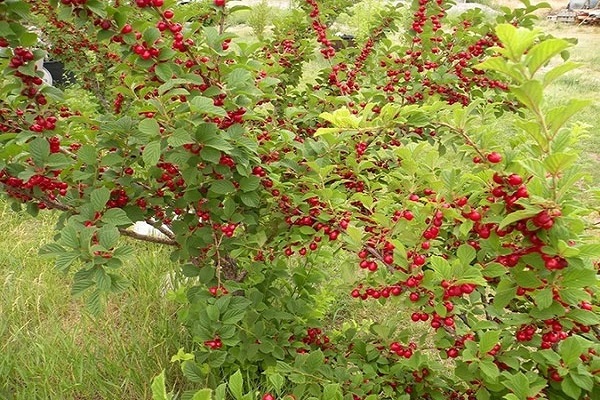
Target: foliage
[(259, 18), (394, 160)]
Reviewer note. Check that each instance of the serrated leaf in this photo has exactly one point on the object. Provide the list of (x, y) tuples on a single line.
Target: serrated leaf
[(179, 138), (529, 93), (64, 261), (579, 278), (163, 71), (222, 187), (332, 391), (249, 183), (506, 291), (116, 217), (159, 390), (570, 388), (251, 199), (236, 385), (543, 298), (203, 394), (518, 384), (88, 154), (108, 236), (541, 53), (488, 340), (489, 369), (466, 254), (205, 105), (584, 317), (149, 127), (441, 266), (99, 197), (191, 371), (151, 153), (40, 150), (212, 312), (527, 279), (559, 71), (517, 216)]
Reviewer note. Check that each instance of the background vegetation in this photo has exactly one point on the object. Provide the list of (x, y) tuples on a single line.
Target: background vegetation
[(43, 329)]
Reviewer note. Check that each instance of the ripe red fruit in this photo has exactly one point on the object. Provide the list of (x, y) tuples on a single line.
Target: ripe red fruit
[(267, 396), (515, 180), (168, 14), (220, 3), (494, 157)]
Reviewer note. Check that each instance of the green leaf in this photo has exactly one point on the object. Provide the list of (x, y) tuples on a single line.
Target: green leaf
[(558, 162), (556, 117), (149, 127), (579, 278), (40, 150), (583, 381), (499, 64), (236, 384), (179, 138), (64, 261), (506, 292), (99, 197), (277, 381), (332, 391), (238, 78), (489, 369), (205, 105), (442, 267), (314, 361), (151, 153), (517, 216), (192, 372), (88, 154), (250, 183), (570, 388), (466, 254), (527, 279), (116, 217), (570, 349), (529, 93), (589, 250), (163, 71), (518, 384), (543, 298), (584, 317), (515, 40), (222, 187), (159, 390), (251, 199), (203, 394), (559, 71), (543, 52), (108, 236), (213, 312), (488, 340), (81, 285)]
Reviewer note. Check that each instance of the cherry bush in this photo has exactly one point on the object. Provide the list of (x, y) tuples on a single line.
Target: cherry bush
[(425, 159)]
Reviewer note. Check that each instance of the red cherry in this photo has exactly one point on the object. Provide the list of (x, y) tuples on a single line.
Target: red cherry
[(220, 3), (168, 14), (515, 180), (494, 157), (266, 396)]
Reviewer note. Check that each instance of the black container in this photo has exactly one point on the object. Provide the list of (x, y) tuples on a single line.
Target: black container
[(59, 75)]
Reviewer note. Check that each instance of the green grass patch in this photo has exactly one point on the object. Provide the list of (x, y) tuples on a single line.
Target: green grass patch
[(50, 348)]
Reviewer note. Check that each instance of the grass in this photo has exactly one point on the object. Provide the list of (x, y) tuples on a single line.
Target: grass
[(51, 349)]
